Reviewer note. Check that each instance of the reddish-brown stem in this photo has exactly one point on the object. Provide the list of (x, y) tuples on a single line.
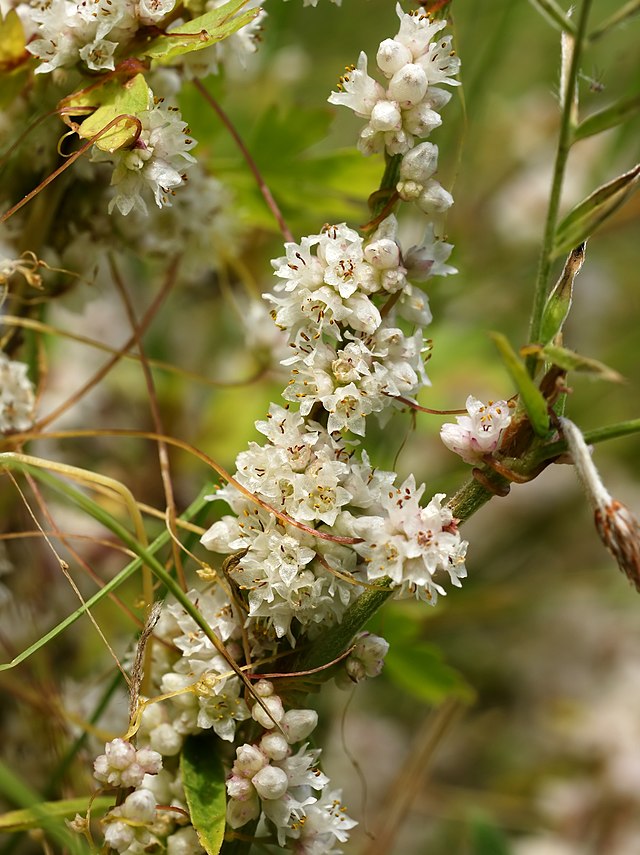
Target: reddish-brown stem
[(163, 453), (262, 185), (420, 409), (102, 372)]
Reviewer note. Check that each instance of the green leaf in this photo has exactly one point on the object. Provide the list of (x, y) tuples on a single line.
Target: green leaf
[(203, 779), (418, 668), (572, 361), (201, 32), (614, 115), (28, 818), (559, 300), (585, 218), (117, 100), (20, 793), (531, 397)]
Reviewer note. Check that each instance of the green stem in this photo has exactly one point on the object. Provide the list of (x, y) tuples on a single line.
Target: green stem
[(627, 11), (110, 586), (565, 139), (591, 437)]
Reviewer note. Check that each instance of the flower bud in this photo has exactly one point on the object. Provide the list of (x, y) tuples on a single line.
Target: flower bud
[(263, 688), (382, 254), (298, 724), (140, 806), (166, 740), (249, 760), (434, 199), (408, 86), (271, 782), (119, 836), (120, 754), (239, 813), (421, 120), (392, 56), (239, 788), (184, 841), (420, 163), (275, 745), (273, 716), (386, 116)]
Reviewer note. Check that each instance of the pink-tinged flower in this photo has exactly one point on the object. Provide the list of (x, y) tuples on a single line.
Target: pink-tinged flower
[(478, 433)]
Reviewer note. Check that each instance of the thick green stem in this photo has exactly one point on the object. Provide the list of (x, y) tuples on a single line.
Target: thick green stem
[(565, 139)]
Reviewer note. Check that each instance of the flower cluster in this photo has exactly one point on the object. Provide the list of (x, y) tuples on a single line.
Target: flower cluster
[(288, 789), (156, 161), (90, 31), (407, 109), (480, 432), (347, 358), (17, 399)]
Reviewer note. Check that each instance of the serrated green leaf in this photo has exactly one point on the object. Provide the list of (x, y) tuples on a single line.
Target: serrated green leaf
[(115, 100), (203, 779), (572, 361), (531, 397), (199, 33), (614, 115), (585, 218), (28, 818), (419, 669)]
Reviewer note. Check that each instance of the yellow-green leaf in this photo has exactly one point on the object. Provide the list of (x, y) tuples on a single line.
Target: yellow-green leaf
[(531, 397), (201, 32), (585, 218), (203, 779), (115, 100), (572, 361), (28, 818), (12, 42)]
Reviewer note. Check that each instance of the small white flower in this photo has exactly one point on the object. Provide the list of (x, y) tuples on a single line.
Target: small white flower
[(478, 433)]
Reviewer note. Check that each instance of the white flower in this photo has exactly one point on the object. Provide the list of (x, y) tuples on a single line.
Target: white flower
[(156, 161), (478, 433), (409, 543), (17, 399), (326, 824)]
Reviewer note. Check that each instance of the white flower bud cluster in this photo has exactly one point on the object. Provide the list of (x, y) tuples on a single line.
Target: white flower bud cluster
[(367, 657), (17, 399), (127, 827), (478, 433), (122, 766), (268, 779), (408, 107), (417, 184)]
